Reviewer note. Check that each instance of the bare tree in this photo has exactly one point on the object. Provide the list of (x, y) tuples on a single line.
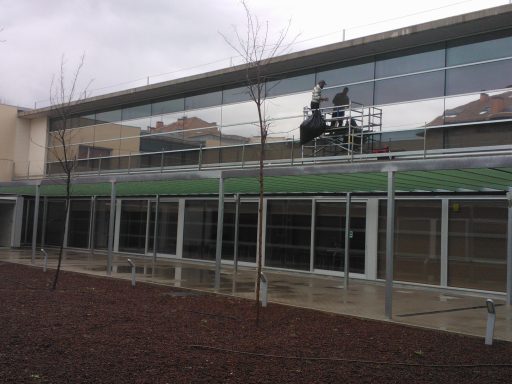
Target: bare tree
[(256, 50), (64, 95)]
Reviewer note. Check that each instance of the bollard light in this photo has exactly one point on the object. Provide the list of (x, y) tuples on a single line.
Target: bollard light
[(45, 261), (133, 271), (491, 319), (263, 290)]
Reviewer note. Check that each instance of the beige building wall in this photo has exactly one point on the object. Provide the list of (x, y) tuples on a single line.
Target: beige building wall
[(8, 117)]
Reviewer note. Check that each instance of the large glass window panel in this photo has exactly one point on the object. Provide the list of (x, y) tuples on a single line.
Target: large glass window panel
[(200, 126), (167, 227), (55, 220), (409, 61), (288, 238), (137, 111), (290, 85), (203, 100), (167, 106), (109, 116), (477, 244), (358, 93), (79, 223), (478, 107), (87, 120), (132, 229), (130, 141), (200, 229), (330, 236), (479, 48), (285, 114), (235, 95), (351, 73), (412, 114), (412, 87), (480, 77), (417, 243), (239, 123), (247, 231), (28, 221), (101, 224)]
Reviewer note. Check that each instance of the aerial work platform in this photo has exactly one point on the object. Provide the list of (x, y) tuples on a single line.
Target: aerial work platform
[(348, 129)]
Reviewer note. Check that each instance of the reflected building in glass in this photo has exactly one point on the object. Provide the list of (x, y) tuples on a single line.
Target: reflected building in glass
[(440, 89)]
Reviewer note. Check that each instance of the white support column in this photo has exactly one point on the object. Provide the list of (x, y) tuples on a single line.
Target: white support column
[(347, 242), (237, 222), (34, 224), (155, 232), (445, 211), (390, 234), (111, 223), (220, 224)]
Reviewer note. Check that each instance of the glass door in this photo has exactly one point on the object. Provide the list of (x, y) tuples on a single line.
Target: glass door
[(329, 247)]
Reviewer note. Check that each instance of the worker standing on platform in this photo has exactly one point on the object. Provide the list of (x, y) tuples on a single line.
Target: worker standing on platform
[(316, 97)]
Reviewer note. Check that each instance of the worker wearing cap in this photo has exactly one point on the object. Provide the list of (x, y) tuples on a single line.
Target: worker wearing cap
[(316, 97)]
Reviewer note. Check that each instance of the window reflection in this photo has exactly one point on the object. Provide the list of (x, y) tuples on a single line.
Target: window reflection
[(484, 106), (411, 115), (136, 112), (417, 241), (413, 60), (479, 48), (413, 87), (290, 85), (358, 93), (477, 244), (235, 95), (167, 106), (285, 114), (347, 74), (483, 77), (203, 100)]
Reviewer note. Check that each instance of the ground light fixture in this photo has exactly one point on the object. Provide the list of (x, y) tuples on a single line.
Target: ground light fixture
[(491, 319), (132, 264)]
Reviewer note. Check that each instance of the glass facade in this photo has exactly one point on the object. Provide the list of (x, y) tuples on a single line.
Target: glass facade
[(330, 236), (200, 229), (132, 226), (417, 241), (79, 223), (477, 244), (167, 227), (413, 86), (288, 238)]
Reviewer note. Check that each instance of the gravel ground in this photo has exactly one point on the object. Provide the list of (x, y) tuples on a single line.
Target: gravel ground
[(101, 330)]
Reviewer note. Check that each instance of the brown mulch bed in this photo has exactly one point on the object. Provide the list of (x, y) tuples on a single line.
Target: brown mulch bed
[(101, 330)]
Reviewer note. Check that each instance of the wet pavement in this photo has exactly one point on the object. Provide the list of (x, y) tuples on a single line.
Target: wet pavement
[(450, 310)]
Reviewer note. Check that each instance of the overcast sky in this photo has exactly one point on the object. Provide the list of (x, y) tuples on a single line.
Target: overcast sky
[(127, 41)]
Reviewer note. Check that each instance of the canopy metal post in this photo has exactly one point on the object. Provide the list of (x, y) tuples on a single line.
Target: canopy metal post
[(237, 219), (112, 220), (155, 233), (34, 224), (220, 223), (390, 234), (92, 224), (509, 247), (347, 241)]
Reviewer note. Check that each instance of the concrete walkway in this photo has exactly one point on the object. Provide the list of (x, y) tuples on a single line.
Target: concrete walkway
[(449, 310)]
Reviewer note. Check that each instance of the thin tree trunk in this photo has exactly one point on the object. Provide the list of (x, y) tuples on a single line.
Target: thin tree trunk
[(61, 249)]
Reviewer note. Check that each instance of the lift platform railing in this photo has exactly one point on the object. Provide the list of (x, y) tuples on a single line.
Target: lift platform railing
[(349, 129)]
